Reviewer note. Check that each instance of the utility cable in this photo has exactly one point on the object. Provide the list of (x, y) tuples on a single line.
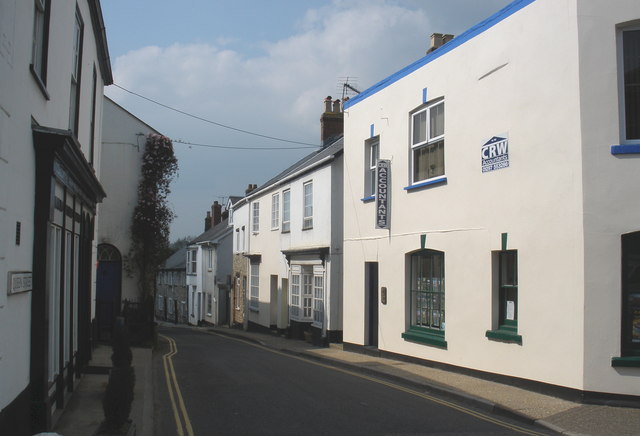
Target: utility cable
[(231, 147), (213, 122)]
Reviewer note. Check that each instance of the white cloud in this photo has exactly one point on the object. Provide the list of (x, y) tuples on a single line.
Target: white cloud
[(278, 92)]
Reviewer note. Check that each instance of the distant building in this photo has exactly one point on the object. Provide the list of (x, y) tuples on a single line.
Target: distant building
[(54, 64), (289, 231), (171, 289), (491, 221), (209, 268)]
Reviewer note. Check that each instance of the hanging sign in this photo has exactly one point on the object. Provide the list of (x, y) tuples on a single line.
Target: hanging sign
[(495, 154), (383, 177)]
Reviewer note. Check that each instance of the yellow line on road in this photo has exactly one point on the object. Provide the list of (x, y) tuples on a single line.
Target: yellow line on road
[(172, 384), (445, 403)]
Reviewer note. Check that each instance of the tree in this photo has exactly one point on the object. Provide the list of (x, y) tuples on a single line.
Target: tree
[(152, 215)]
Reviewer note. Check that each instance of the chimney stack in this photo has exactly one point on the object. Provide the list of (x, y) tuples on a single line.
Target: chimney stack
[(438, 40), (207, 222), (250, 188), (216, 212), (331, 121)]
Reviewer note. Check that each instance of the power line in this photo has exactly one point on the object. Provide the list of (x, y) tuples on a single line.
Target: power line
[(230, 147), (213, 122)]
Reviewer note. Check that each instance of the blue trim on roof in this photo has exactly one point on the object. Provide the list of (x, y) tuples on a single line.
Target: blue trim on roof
[(625, 149), (472, 32)]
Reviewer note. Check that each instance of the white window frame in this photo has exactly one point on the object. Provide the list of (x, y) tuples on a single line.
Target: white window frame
[(255, 217), (621, 81), (254, 302), (192, 261), (275, 211), (307, 214), (39, 41), (294, 285), (76, 62), (372, 154), (286, 210), (431, 139), (318, 295)]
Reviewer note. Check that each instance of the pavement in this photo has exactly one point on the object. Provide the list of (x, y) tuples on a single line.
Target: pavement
[(83, 413)]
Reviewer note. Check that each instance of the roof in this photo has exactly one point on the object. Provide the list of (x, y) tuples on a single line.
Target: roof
[(306, 162), (471, 33), (177, 260), (214, 232)]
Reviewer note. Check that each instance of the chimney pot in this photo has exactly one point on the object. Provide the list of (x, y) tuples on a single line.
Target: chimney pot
[(336, 106), (331, 121), (438, 40), (327, 104)]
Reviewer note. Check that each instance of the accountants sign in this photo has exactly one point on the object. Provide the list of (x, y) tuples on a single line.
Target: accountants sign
[(495, 154), (383, 178)]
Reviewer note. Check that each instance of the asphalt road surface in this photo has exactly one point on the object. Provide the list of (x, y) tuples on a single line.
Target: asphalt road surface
[(208, 384)]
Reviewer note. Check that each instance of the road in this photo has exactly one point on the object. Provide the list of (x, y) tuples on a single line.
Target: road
[(209, 384)]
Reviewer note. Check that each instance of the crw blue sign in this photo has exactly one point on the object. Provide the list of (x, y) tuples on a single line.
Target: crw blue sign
[(495, 154)]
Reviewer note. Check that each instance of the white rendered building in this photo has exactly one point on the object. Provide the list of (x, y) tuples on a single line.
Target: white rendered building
[(503, 235), (54, 64)]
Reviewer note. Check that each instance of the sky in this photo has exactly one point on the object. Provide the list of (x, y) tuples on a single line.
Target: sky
[(260, 66)]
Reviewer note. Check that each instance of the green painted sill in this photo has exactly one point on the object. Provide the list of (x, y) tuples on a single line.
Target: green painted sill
[(626, 362), (504, 335), (435, 338)]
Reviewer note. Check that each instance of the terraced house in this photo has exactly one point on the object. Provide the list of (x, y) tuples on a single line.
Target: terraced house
[(490, 215), (54, 64)]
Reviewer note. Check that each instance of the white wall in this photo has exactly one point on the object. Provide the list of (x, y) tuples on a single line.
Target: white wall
[(22, 101), (533, 96), (123, 145)]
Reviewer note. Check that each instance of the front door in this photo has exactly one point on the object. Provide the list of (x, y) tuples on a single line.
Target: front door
[(108, 289), (371, 303)]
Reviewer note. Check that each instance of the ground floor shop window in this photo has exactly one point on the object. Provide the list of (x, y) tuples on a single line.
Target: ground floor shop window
[(255, 286), (630, 301), (307, 293), (426, 295), (505, 266)]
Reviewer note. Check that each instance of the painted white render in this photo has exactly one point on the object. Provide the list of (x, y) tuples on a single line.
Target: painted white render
[(123, 145), (34, 115), (544, 75), (277, 249)]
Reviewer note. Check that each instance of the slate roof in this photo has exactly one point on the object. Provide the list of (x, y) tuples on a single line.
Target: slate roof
[(177, 260), (212, 233), (334, 148)]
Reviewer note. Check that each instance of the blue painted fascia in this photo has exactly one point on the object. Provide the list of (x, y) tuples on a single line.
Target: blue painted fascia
[(474, 31)]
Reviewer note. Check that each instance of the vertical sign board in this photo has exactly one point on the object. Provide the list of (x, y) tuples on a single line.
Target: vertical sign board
[(383, 175), (495, 154)]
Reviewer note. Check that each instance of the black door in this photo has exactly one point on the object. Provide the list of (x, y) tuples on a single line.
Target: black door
[(371, 285)]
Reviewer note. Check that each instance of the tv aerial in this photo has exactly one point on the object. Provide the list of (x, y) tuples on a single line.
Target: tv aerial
[(348, 86)]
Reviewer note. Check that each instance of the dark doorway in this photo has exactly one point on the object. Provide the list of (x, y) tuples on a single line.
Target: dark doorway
[(371, 303), (108, 289)]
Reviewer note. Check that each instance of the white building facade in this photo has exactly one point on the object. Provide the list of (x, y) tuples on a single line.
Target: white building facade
[(209, 269), (502, 236), (54, 64), (123, 145), (290, 232)]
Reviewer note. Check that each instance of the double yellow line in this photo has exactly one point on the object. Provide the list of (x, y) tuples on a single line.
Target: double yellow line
[(177, 403)]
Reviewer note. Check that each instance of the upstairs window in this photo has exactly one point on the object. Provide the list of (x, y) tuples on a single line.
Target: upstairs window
[(192, 261), (286, 211), (307, 221), (631, 83), (427, 142), (76, 63), (371, 155), (255, 217), (275, 211), (40, 40)]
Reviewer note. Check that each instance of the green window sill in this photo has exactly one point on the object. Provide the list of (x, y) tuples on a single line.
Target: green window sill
[(504, 335), (626, 362), (423, 336)]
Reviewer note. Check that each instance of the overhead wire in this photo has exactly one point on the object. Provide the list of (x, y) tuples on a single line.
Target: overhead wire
[(274, 138), (231, 147)]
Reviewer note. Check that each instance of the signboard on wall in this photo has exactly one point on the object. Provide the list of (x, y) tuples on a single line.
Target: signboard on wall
[(383, 177), (20, 281), (495, 153)]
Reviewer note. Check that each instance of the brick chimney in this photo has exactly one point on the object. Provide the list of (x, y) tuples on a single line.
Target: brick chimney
[(250, 188), (207, 222), (331, 121), (216, 212), (438, 40)]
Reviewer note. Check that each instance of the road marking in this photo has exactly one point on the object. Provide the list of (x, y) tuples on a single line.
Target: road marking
[(172, 384), (428, 397)]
